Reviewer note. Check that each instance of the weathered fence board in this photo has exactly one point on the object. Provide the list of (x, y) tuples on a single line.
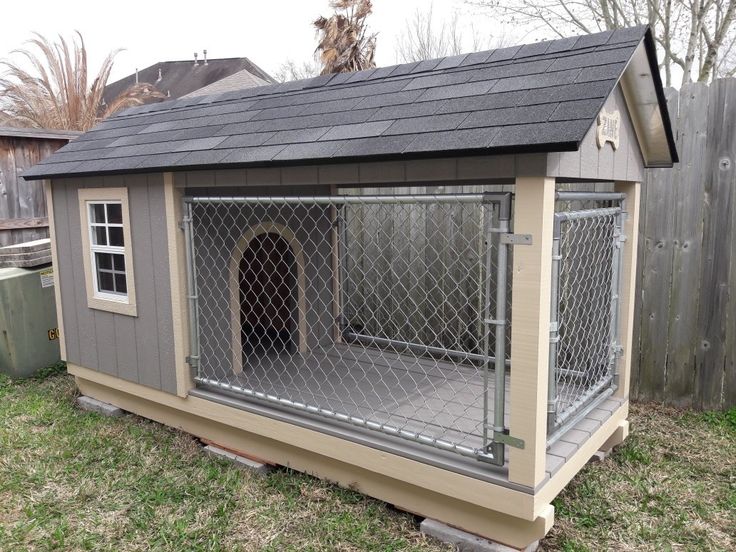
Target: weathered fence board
[(686, 330), (22, 204)]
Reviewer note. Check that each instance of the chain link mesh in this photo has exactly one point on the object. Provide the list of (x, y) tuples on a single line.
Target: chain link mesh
[(370, 311), (585, 282)]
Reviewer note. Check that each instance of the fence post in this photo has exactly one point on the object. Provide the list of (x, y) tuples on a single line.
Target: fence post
[(627, 288), (534, 207)]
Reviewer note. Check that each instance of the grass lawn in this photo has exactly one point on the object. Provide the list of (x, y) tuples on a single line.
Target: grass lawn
[(75, 480)]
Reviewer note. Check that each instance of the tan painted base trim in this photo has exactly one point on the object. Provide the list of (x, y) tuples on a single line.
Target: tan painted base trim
[(454, 499), (618, 437), (562, 477)]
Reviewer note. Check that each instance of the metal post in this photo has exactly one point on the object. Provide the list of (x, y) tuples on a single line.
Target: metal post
[(192, 295), (554, 328), (618, 240), (499, 405), (487, 322)]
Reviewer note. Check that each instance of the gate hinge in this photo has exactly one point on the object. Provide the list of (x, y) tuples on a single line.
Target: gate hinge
[(192, 361), (506, 439), (516, 239)]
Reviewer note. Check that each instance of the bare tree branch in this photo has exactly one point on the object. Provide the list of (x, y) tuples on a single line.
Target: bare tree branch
[(694, 36)]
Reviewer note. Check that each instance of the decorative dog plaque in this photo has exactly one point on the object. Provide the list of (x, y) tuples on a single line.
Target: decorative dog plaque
[(609, 125)]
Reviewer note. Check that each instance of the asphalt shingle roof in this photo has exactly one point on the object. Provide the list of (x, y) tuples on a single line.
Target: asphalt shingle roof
[(537, 97)]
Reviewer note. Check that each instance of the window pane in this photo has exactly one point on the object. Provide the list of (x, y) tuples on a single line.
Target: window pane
[(119, 261), (104, 260), (121, 285), (99, 237), (115, 213), (97, 212), (116, 235), (105, 282)]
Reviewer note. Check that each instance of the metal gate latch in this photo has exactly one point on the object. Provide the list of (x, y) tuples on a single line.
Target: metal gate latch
[(516, 239)]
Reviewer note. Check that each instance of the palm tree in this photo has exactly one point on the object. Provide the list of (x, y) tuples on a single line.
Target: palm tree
[(55, 92), (344, 44)]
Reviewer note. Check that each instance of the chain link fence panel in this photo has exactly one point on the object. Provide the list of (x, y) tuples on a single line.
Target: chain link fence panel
[(378, 311), (584, 319)]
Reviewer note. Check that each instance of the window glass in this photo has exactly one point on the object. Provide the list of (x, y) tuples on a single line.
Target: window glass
[(97, 212), (108, 253), (99, 235), (114, 213), (116, 235)]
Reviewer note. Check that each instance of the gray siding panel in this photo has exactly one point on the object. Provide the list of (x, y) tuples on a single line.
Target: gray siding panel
[(65, 277), (138, 349), (85, 316), (125, 348), (107, 360), (146, 333)]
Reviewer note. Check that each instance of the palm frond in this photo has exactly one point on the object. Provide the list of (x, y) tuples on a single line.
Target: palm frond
[(343, 43), (54, 90)]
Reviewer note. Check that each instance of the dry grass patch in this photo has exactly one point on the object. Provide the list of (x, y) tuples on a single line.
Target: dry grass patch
[(670, 486), (74, 480)]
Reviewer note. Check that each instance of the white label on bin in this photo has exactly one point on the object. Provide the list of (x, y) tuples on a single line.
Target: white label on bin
[(47, 277)]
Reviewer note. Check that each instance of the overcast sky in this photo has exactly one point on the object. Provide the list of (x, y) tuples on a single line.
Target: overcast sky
[(266, 31)]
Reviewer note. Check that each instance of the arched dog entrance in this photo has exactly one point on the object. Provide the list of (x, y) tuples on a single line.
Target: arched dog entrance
[(267, 293)]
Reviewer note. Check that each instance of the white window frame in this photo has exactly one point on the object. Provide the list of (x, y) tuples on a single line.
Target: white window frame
[(118, 303)]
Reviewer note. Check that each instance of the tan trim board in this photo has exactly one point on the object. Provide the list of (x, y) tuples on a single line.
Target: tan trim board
[(266, 227), (627, 294), (380, 483), (487, 495), (178, 278), (534, 206), (127, 307), (55, 264), (564, 475)]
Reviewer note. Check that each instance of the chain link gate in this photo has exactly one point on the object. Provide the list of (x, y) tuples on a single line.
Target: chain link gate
[(584, 340), (384, 312)]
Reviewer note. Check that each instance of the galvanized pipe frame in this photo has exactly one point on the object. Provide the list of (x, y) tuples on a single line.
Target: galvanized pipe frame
[(558, 424), (492, 451)]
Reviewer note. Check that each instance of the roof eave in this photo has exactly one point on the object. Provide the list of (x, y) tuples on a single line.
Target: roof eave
[(647, 106), (414, 156)]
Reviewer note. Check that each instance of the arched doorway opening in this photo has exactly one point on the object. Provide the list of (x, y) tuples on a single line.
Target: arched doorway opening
[(268, 297), (266, 284)]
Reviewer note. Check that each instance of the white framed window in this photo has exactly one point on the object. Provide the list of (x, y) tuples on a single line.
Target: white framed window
[(107, 249), (107, 244)]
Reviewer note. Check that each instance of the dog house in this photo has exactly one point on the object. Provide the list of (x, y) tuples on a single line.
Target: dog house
[(416, 281)]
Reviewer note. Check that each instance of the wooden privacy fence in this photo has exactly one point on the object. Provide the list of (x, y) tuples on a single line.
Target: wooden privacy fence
[(686, 313), (23, 204)]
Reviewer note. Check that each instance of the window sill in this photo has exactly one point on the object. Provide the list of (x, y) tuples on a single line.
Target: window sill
[(116, 307)]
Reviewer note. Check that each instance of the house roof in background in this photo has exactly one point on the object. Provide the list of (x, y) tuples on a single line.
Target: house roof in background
[(537, 97), (39, 133), (237, 81), (179, 78)]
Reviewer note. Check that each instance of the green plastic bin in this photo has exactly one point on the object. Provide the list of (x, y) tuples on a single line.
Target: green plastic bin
[(29, 336)]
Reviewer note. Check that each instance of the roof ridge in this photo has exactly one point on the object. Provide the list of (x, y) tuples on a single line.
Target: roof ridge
[(291, 87), (522, 98)]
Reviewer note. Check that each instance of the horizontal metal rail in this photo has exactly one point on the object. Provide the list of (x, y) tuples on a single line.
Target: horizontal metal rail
[(417, 347), (590, 196), (354, 420), (587, 213), (572, 421), (356, 200)]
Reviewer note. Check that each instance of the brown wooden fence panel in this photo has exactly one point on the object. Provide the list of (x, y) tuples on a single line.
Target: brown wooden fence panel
[(686, 327), (23, 204)]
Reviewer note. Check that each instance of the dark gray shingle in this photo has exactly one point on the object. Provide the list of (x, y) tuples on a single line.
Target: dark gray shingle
[(541, 95)]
